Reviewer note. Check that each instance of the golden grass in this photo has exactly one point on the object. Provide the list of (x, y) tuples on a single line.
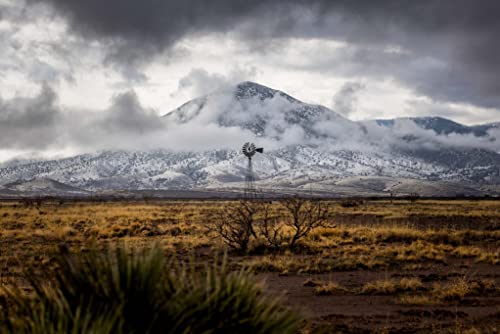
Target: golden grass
[(419, 300), (389, 287), (466, 251), (328, 288), (368, 236), (453, 292), (489, 258), (421, 251), (401, 237), (462, 288), (327, 257)]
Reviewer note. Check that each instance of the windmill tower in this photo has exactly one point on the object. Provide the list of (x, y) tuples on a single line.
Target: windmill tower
[(249, 150)]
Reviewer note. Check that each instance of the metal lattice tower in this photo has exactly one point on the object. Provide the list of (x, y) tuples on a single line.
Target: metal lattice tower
[(249, 150)]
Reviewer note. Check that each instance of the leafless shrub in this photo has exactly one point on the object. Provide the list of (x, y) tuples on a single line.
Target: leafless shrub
[(271, 227), (304, 216), (413, 197), (235, 224)]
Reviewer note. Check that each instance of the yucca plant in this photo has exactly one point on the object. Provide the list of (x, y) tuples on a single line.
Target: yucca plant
[(223, 302), (121, 290)]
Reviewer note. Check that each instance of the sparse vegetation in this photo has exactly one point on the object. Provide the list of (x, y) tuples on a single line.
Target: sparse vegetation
[(441, 256), (303, 217), (235, 224), (328, 288), (453, 292), (238, 224), (390, 287), (461, 288)]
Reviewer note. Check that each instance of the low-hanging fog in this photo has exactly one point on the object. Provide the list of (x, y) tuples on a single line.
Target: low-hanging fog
[(40, 123), (79, 76)]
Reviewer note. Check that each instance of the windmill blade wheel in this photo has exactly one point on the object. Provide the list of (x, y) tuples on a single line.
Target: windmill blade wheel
[(249, 149)]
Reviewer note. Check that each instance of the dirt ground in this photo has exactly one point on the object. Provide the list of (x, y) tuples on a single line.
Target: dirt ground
[(348, 312), (378, 266)]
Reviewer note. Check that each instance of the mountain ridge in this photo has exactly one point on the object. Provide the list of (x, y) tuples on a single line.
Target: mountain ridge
[(249, 89), (306, 145)]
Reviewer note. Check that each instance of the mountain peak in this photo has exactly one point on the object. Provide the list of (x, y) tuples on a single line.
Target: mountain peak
[(251, 84), (262, 110), (250, 89)]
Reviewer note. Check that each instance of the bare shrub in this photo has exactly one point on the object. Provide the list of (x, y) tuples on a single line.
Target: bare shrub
[(304, 216), (413, 197), (235, 224), (271, 227)]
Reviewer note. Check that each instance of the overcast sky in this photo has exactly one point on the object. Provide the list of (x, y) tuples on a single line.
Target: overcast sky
[(364, 59)]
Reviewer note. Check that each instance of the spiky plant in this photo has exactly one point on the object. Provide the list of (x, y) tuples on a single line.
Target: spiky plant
[(121, 290)]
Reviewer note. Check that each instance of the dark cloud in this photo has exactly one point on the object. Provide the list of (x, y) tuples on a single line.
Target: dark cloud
[(125, 124), (40, 123), (460, 36), (136, 30), (30, 122), (128, 116), (346, 98)]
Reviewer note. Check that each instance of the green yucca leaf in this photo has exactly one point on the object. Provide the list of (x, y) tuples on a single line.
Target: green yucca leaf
[(121, 290)]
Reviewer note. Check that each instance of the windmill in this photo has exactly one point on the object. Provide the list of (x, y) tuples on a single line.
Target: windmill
[(249, 150)]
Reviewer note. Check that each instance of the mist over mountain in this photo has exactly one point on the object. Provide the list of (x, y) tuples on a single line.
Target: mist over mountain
[(307, 146)]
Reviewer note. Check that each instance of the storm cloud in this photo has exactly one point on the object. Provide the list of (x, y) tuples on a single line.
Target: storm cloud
[(446, 50), (40, 123), (30, 122), (346, 98), (440, 57)]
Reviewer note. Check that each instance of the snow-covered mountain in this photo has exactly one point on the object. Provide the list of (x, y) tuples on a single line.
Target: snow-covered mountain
[(444, 126), (307, 147), (42, 187), (263, 111)]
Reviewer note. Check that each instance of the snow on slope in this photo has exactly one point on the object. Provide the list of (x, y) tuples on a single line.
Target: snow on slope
[(311, 145), (43, 186)]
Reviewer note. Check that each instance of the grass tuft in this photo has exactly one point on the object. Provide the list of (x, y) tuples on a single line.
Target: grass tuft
[(122, 290), (328, 288), (389, 287)]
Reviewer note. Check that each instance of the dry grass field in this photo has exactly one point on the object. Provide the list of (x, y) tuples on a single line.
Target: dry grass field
[(371, 266)]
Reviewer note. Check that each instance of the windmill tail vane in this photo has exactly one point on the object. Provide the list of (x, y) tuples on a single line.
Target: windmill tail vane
[(249, 150)]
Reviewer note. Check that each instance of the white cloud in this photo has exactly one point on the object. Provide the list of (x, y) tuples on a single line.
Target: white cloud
[(95, 108)]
